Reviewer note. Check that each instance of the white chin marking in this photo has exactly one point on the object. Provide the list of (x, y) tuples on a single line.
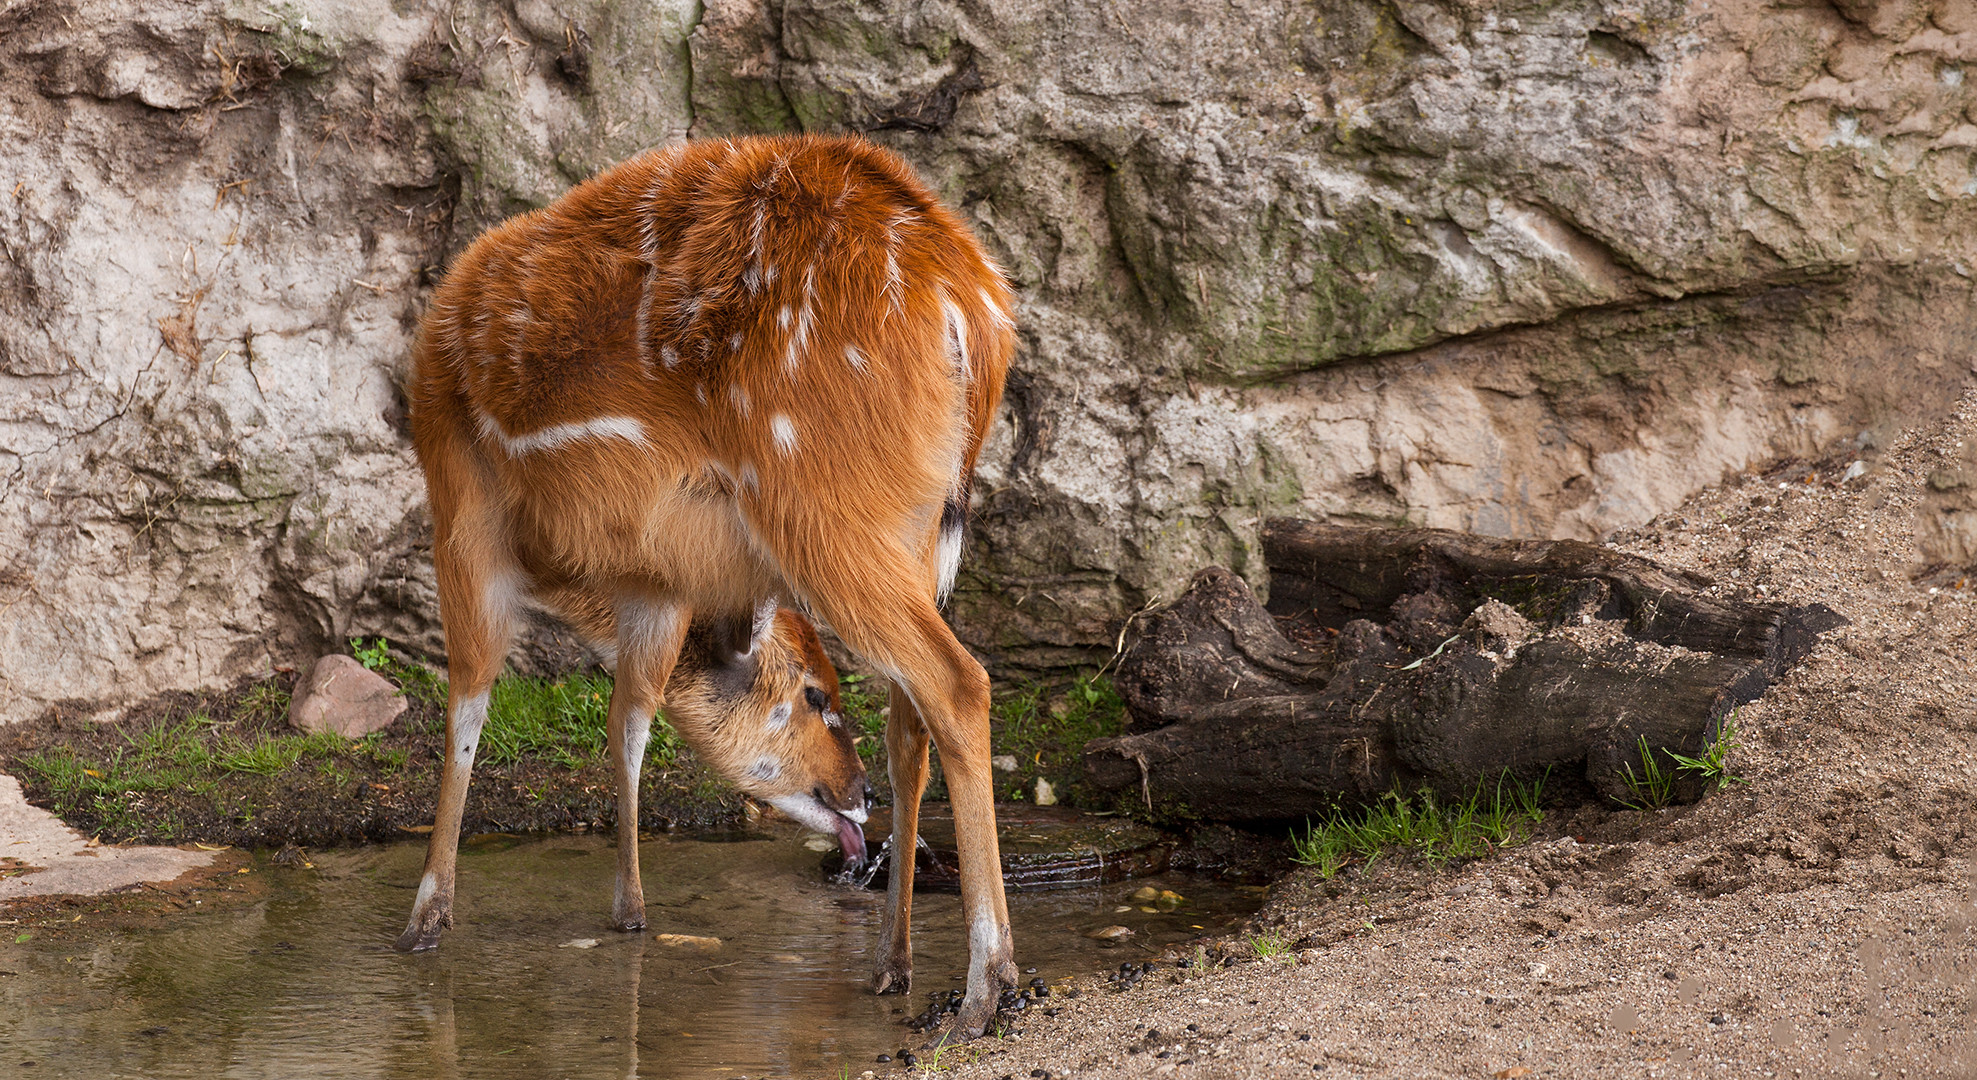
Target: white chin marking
[(806, 810), (857, 814)]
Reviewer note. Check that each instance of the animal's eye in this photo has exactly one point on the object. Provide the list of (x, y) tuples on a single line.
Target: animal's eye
[(817, 698)]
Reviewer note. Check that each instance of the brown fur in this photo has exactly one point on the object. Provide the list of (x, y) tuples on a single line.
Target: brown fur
[(715, 374)]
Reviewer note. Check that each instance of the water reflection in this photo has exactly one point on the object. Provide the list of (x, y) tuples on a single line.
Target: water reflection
[(304, 983)]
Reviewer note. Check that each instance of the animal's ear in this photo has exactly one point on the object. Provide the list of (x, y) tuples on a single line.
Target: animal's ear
[(730, 640), (737, 640)]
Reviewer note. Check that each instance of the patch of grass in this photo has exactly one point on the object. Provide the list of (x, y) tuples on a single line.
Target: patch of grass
[(860, 699), (1714, 764), (1495, 815), (1269, 945), (1653, 787), (1047, 735)]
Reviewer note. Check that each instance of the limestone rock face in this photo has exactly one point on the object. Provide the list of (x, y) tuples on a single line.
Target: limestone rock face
[(1526, 269)]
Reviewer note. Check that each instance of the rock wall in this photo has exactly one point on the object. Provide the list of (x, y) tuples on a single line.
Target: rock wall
[(1526, 269)]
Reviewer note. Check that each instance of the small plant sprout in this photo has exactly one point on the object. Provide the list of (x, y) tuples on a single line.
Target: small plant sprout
[(1269, 946), (375, 656), (1714, 764), (1653, 788)]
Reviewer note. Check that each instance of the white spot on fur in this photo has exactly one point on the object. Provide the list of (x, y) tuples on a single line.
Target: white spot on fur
[(468, 720), (833, 720), (700, 392), (782, 318), (748, 478), (738, 398), (646, 629), (853, 357), (669, 356), (559, 435), (778, 717), (793, 357), (949, 550), (766, 769), (784, 433), (638, 730), (734, 343)]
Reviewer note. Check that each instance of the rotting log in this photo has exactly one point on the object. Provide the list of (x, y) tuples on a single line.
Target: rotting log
[(1428, 658)]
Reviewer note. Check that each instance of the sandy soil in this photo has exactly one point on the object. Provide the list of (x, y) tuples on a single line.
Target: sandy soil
[(1818, 920)]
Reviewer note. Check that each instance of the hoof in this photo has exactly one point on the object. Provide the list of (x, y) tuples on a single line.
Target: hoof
[(893, 979), (967, 1027), (629, 926), (419, 939)]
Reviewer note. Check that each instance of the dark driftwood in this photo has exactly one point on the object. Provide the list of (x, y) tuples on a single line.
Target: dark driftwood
[(1430, 658)]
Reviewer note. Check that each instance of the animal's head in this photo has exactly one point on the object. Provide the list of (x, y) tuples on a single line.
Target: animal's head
[(758, 699)]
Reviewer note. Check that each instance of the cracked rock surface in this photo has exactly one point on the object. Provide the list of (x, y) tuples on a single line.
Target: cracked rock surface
[(1520, 269)]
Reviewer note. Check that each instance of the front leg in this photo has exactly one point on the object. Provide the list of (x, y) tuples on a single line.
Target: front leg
[(906, 764), (649, 636), (432, 909)]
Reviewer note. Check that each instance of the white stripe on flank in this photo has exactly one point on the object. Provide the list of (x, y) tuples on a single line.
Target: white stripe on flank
[(559, 435), (892, 289), (996, 314), (644, 327), (784, 433), (957, 328)]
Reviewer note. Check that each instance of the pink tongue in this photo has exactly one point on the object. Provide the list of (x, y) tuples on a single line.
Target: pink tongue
[(851, 840)]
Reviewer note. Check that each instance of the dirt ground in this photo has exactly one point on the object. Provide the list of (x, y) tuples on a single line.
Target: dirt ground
[(1818, 920)]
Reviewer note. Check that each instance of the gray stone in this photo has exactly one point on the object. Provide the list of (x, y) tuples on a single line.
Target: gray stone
[(343, 696)]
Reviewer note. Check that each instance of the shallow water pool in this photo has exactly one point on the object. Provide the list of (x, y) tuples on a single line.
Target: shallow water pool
[(303, 983)]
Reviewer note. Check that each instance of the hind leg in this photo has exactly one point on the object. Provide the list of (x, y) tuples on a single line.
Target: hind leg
[(900, 632)]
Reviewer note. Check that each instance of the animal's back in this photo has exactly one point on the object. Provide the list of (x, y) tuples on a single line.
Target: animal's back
[(779, 327)]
